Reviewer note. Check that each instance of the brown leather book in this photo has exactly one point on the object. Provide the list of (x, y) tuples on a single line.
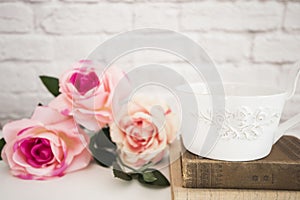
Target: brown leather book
[(180, 193), (279, 170)]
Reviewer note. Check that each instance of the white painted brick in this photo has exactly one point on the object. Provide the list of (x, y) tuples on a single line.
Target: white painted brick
[(79, 19), (16, 18), (194, 36), (83, 1), (129, 1), (171, 74), (67, 30), (146, 56), (255, 74), (21, 104), (125, 62), (143, 57), (291, 108), (289, 71), (276, 48), (160, 15), (73, 48), (292, 18), (17, 77), (38, 1), (236, 16), (25, 48), (187, 71), (154, 1), (8, 102), (226, 47), (11, 1), (55, 69)]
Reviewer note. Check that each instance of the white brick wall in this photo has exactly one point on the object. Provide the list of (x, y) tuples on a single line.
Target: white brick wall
[(226, 47), (26, 48), (84, 19), (250, 41), (291, 21), (276, 48), (158, 15), (232, 16), (15, 18)]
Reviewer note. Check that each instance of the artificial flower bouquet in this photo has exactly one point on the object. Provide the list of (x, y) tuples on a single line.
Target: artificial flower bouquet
[(56, 139)]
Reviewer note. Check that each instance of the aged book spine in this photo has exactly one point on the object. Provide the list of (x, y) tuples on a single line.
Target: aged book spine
[(246, 175), (280, 170), (180, 193)]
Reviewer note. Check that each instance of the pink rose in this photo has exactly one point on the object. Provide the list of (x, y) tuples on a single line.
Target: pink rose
[(47, 145), (87, 97), (144, 132)]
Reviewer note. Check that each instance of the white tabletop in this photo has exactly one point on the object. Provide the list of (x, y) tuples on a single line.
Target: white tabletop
[(94, 182)]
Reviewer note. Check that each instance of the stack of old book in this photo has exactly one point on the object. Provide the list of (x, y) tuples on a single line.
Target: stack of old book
[(276, 176)]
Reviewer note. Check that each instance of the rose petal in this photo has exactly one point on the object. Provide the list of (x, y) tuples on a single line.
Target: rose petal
[(57, 152), (41, 172), (116, 134), (62, 104), (80, 161), (69, 127), (11, 129), (20, 160), (47, 115), (92, 121)]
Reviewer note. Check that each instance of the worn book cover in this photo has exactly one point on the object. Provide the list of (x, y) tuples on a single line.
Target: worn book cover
[(181, 193), (279, 170)]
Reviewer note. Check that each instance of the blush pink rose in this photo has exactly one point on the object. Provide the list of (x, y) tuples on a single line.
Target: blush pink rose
[(86, 96), (144, 132), (47, 145)]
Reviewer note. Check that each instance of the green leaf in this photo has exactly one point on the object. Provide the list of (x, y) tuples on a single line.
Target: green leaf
[(135, 175), (106, 132), (160, 182), (104, 158), (102, 149), (103, 140), (52, 84), (149, 177), (122, 175), (118, 173), (2, 143)]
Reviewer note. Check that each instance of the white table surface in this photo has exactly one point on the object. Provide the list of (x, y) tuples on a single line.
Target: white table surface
[(94, 182)]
